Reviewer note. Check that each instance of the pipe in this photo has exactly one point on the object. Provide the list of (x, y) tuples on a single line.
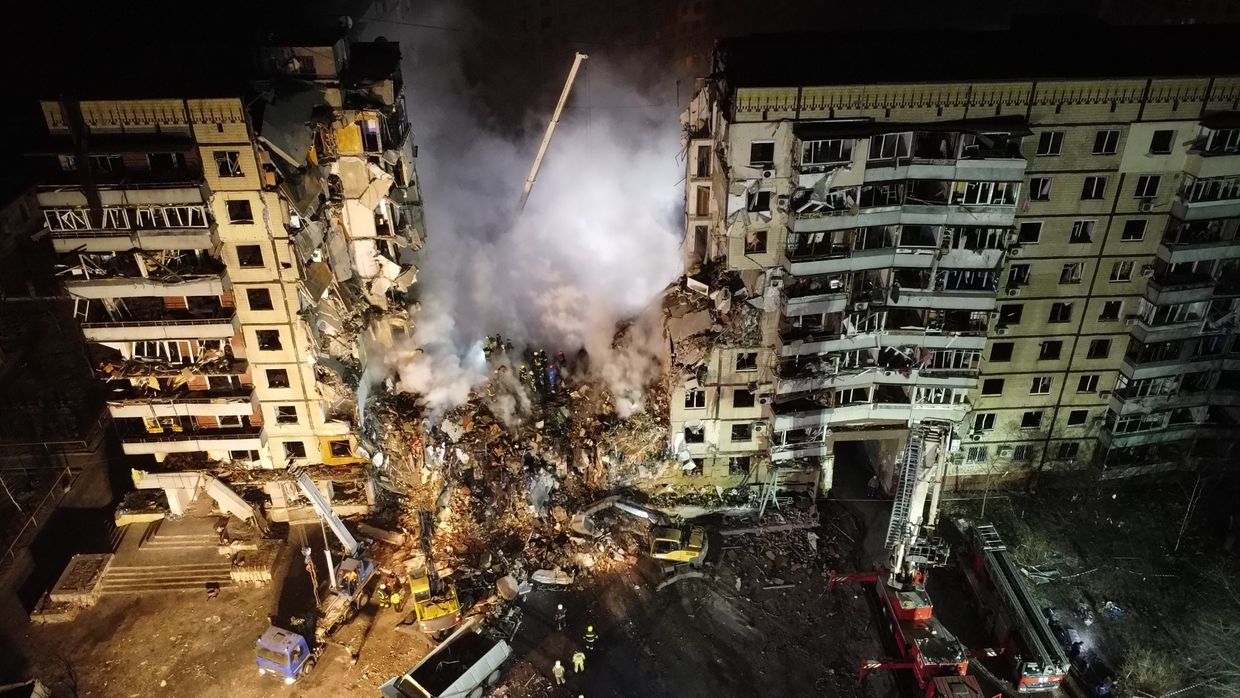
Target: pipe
[(546, 141)]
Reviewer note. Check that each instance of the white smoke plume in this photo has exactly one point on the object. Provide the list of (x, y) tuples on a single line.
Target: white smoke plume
[(595, 246)]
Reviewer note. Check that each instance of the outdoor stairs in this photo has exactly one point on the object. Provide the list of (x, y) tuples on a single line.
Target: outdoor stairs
[(167, 556)]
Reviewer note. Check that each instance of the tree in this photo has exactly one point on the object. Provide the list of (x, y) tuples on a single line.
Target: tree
[(1211, 635)]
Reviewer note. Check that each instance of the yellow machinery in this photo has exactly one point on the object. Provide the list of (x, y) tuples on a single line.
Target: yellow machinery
[(435, 613), (685, 544)]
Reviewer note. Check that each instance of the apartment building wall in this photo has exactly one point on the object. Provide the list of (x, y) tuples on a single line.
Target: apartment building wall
[(1072, 278)]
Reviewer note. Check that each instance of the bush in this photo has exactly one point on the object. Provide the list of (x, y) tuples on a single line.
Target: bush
[(1148, 672)]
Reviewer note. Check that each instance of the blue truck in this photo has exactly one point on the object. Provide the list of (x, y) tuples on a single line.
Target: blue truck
[(285, 654)]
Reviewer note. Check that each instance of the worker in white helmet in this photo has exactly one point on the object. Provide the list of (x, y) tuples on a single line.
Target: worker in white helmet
[(558, 672), (560, 616)]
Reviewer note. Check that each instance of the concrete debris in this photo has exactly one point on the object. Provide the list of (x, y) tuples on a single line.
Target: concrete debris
[(556, 576), (690, 574)]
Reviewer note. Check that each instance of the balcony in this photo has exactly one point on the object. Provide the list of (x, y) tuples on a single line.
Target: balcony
[(151, 320), (139, 403), (136, 440), (1206, 198), (1196, 241), (1173, 288), (156, 274)]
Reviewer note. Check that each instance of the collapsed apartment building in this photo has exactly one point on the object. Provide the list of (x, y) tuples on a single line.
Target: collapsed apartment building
[(232, 255), (1045, 265)]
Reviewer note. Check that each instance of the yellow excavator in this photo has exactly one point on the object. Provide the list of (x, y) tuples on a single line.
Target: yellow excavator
[(681, 544), (436, 606)]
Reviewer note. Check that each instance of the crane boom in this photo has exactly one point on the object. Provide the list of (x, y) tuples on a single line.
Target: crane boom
[(546, 141), (323, 508)]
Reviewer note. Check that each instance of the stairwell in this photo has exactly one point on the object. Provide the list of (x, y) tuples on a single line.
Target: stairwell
[(167, 555)]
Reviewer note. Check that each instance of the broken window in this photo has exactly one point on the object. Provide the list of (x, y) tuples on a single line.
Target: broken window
[(1121, 271), (695, 435), (165, 163), (286, 414), (171, 217), (739, 465), (741, 398), (852, 396), (340, 448), (984, 193), (1050, 143), (239, 211), (1018, 275), (68, 163), (1106, 141), (1082, 232), (762, 153), (1099, 349), (1087, 384), (1029, 232), (228, 163), (1050, 350), (1071, 273), (1226, 140), (107, 164), (268, 340), (826, 152), (1077, 418), (258, 298), (1161, 142), (742, 433), (1134, 230), (1001, 351), (1147, 186), (747, 361), (1031, 420), (702, 162), (1041, 385), (695, 399), (755, 242), (1040, 189), (243, 455), (277, 378), (370, 135), (1060, 312), (229, 421), (294, 449), (701, 201), (992, 386), (984, 421), (758, 201), (1010, 314), (250, 256), (1068, 450), (1094, 188), (1111, 310)]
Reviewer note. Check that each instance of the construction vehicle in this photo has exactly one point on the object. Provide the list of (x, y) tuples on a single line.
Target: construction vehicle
[(285, 654), (679, 544), (436, 606), (925, 646), (465, 664), (348, 582), (1035, 657)]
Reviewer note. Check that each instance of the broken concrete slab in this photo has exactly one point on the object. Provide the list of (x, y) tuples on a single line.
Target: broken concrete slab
[(79, 583), (396, 539), (557, 576)]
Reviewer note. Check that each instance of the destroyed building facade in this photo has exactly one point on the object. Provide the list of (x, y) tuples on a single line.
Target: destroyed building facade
[(231, 256), (1045, 264)]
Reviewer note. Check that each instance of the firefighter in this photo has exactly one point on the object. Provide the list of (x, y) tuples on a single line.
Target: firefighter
[(490, 390), (579, 662), (488, 347), (523, 373), (590, 637), (398, 600), (871, 487), (382, 595), (560, 615), (552, 374), (558, 671), (349, 579)]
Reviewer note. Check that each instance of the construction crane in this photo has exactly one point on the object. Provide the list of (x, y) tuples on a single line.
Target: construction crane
[(555, 120), (926, 647), (1035, 656)]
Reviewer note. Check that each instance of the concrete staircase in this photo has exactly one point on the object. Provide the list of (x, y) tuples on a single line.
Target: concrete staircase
[(167, 556), (172, 576)]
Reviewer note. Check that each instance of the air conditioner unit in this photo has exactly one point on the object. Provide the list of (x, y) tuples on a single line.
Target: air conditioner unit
[(1013, 292), (1000, 331), (860, 306), (759, 427), (1005, 452), (767, 174), (976, 437), (765, 399), (1014, 251), (781, 202), (1146, 205), (1147, 271)]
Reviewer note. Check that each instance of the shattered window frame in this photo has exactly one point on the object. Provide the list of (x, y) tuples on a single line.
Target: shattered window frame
[(1041, 385), (228, 163), (294, 449), (742, 395), (268, 340), (740, 465), (1060, 313), (757, 149), (746, 361), (992, 387), (1099, 349), (741, 433), (1068, 450), (1087, 383), (1078, 418), (277, 378), (250, 256), (229, 421), (340, 448), (1031, 420), (259, 299), (695, 399), (286, 414), (240, 211), (695, 434)]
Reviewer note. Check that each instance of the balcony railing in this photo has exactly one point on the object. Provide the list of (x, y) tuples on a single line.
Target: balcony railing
[(168, 318), (136, 436)]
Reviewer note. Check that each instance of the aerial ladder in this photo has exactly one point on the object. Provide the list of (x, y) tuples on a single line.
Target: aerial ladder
[(937, 659)]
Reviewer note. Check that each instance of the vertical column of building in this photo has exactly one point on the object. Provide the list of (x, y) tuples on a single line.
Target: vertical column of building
[(1174, 404), (123, 202)]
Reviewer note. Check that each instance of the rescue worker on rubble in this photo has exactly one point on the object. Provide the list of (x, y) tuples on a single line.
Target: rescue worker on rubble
[(490, 390), (488, 347), (558, 671), (552, 374), (349, 579), (382, 595), (522, 373), (398, 600), (871, 487), (590, 637), (579, 662), (560, 615)]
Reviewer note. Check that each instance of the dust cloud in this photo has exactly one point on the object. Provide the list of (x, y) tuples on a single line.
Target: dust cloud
[(595, 246)]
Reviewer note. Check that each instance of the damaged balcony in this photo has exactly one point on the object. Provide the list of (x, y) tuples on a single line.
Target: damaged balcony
[(792, 444), (1163, 323), (1202, 422), (881, 402), (174, 220), (185, 435), (812, 295), (1201, 198), (951, 289), (905, 202), (166, 358), (133, 274), (195, 317), (225, 398), (854, 249), (1195, 241)]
